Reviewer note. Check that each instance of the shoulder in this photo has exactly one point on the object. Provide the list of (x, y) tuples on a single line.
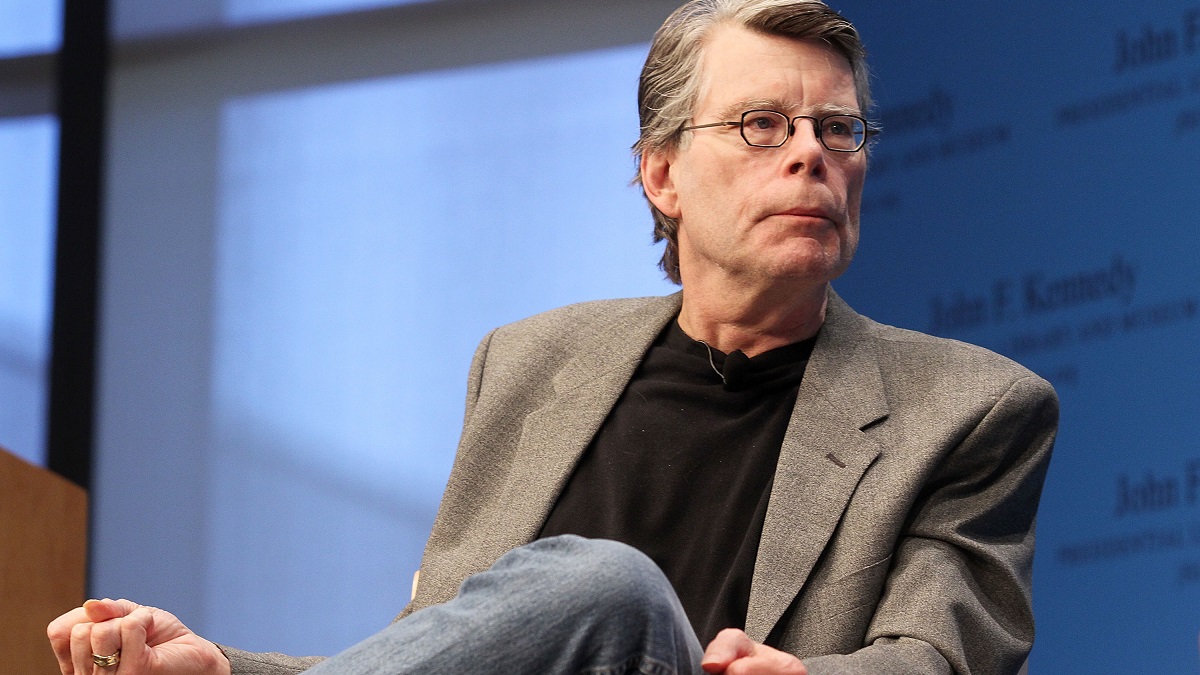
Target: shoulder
[(593, 314), (925, 366), (944, 374), (916, 348), (600, 332), (567, 325)]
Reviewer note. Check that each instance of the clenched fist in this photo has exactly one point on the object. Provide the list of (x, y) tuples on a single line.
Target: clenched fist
[(145, 641)]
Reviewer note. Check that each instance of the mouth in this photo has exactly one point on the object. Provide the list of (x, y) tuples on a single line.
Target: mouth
[(809, 215)]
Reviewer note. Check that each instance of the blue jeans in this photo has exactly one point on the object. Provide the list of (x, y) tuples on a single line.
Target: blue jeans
[(560, 605)]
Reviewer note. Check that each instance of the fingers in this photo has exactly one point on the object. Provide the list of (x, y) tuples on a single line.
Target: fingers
[(730, 645), (134, 629), (103, 610), (81, 648), (86, 630), (59, 632), (88, 639), (732, 652), (105, 641)]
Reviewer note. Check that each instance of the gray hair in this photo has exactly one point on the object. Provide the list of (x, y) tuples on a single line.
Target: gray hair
[(669, 87)]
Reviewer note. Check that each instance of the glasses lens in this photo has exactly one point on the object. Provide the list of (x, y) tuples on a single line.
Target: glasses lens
[(843, 132), (765, 128)]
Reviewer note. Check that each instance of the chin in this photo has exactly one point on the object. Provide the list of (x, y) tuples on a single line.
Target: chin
[(818, 268)]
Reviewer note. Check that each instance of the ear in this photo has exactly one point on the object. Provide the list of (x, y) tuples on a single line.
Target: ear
[(658, 183)]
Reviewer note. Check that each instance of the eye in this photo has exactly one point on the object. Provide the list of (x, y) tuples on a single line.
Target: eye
[(762, 120), (764, 128), (837, 127)]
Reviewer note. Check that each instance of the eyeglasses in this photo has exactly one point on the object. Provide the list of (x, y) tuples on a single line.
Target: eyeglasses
[(771, 129)]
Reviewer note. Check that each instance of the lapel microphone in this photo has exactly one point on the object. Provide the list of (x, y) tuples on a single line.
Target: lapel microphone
[(735, 369)]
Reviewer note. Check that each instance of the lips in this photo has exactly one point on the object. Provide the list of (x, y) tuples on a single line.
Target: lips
[(804, 212)]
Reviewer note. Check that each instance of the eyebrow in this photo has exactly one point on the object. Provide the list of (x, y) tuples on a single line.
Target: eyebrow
[(784, 106)]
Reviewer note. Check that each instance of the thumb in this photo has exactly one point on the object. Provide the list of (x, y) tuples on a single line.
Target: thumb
[(103, 610), (730, 645)]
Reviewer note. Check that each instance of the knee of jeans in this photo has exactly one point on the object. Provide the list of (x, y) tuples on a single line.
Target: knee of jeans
[(613, 575)]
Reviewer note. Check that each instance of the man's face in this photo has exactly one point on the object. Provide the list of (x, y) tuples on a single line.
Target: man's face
[(763, 214)]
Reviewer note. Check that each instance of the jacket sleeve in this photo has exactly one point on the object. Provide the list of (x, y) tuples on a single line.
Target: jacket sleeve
[(269, 663)]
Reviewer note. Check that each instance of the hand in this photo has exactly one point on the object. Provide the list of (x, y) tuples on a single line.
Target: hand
[(150, 641), (732, 652)]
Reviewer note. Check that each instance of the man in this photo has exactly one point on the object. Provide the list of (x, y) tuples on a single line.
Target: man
[(824, 494)]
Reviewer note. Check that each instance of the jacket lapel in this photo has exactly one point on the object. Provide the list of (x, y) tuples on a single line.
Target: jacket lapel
[(586, 389), (823, 457)]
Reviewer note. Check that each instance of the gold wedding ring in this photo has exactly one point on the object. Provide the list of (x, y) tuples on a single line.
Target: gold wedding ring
[(106, 661)]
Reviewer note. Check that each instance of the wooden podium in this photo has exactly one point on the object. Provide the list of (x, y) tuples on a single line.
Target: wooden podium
[(43, 552)]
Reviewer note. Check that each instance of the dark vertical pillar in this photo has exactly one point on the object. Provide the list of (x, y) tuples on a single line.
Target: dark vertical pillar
[(81, 83)]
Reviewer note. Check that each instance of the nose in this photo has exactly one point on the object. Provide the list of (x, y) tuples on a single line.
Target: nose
[(803, 150)]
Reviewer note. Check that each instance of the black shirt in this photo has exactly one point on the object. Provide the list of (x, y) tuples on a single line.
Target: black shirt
[(682, 469)]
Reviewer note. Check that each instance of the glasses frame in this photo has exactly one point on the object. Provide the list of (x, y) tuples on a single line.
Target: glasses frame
[(868, 132)]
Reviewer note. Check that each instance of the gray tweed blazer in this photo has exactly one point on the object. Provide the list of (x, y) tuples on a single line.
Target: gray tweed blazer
[(900, 529)]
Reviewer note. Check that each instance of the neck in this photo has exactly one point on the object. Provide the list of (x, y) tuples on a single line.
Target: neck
[(753, 322)]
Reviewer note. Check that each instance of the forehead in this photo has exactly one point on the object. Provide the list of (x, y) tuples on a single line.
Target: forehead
[(740, 65)]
